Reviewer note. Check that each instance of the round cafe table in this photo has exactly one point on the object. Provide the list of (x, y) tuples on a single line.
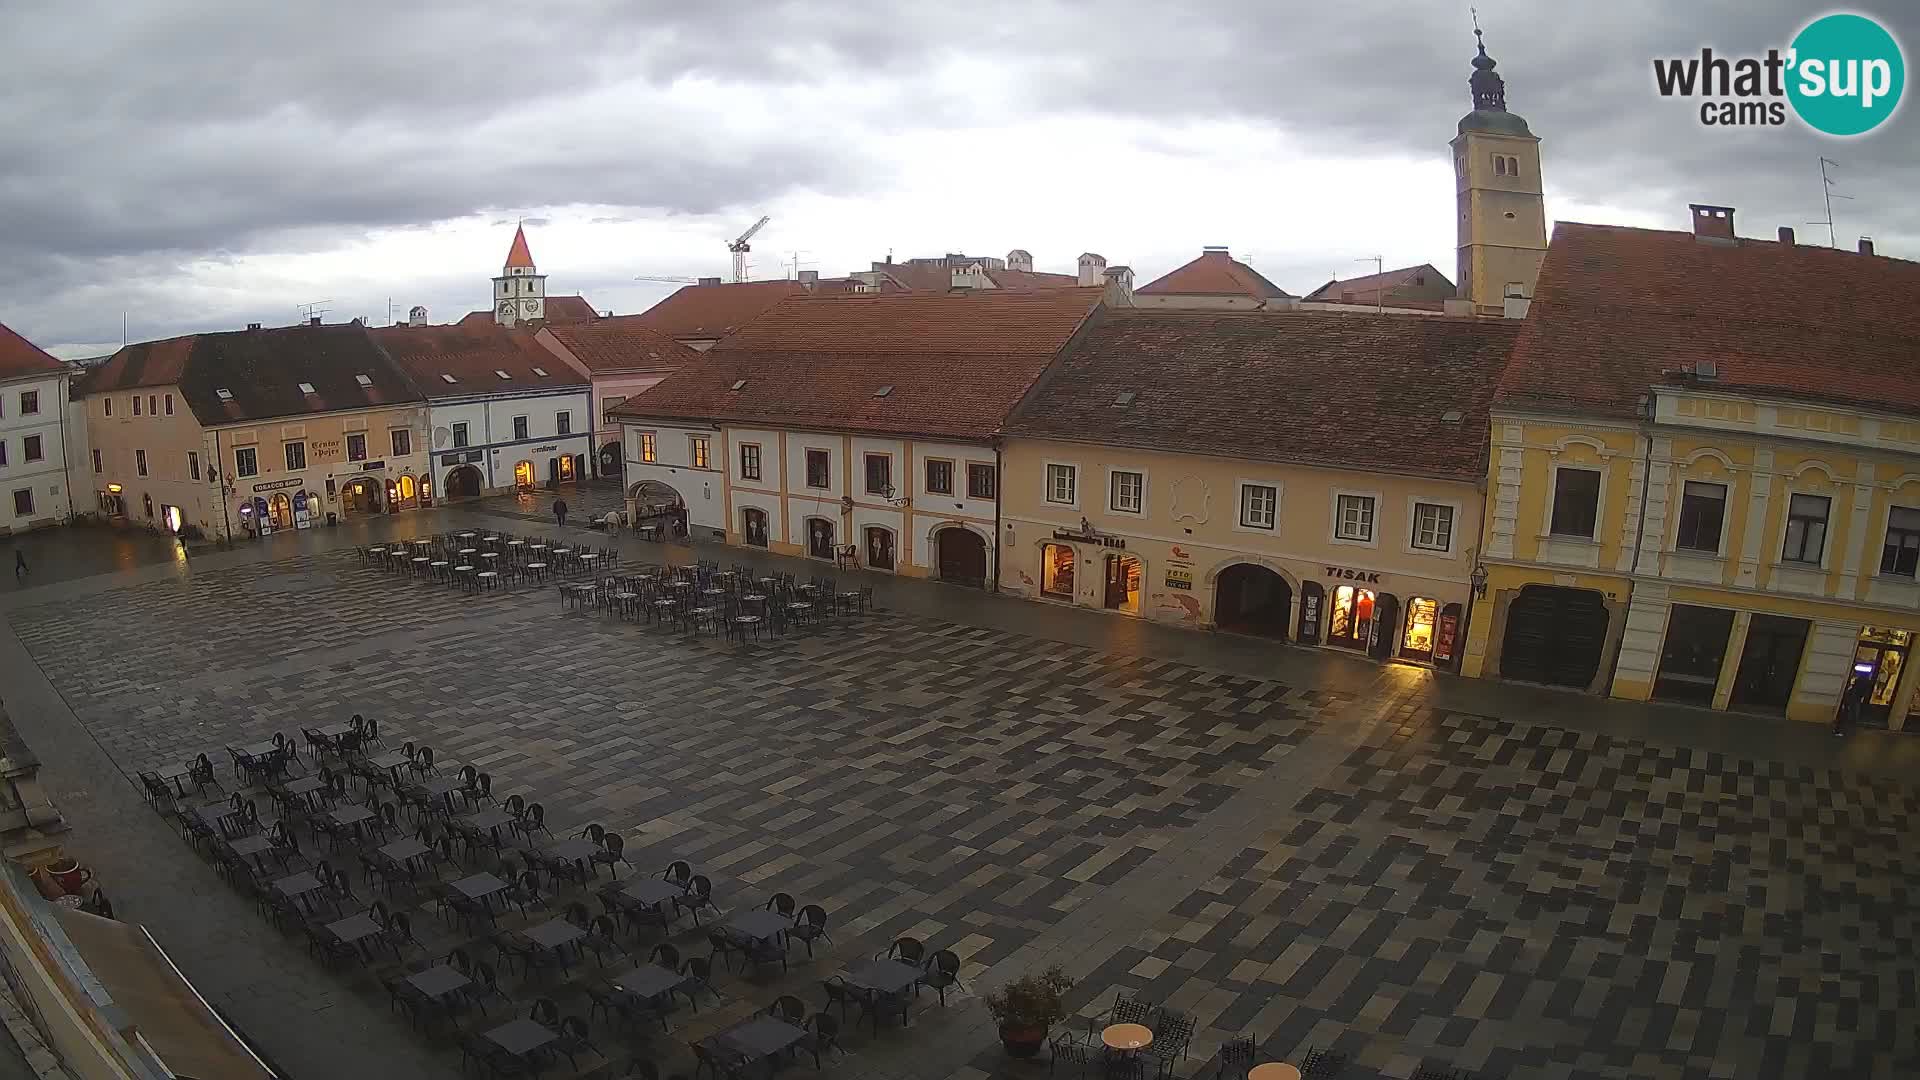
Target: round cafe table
[(516, 543), (1273, 1070), (1131, 1037)]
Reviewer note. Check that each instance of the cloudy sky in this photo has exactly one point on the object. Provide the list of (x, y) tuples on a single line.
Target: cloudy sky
[(201, 164)]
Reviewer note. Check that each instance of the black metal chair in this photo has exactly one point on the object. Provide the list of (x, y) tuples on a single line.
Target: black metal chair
[(943, 970), (808, 926)]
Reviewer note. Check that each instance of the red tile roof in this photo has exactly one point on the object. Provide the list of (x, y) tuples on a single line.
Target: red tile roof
[(1337, 389), (262, 372), (559, 309), (474, 355), (1614, 307), (18, 356), (709, 312), (1363, 290), (518, 256), (625, 343), (1032, 279), (952, 364), (1214, 273)]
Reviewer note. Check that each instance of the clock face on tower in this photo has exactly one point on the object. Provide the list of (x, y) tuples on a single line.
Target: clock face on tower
[(506, 307), (530, 306)]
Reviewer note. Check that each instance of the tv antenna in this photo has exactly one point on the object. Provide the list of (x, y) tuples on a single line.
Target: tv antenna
[(1379, 287), (795, 263), (312, 311), (1826, 190)]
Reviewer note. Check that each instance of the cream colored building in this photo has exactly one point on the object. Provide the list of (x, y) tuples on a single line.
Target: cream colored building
[(254, 431), (35, 437), (850, 428), (1306, 476)]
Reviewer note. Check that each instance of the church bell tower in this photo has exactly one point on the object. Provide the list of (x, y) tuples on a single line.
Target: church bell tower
[(519, 294), (1500, 200)]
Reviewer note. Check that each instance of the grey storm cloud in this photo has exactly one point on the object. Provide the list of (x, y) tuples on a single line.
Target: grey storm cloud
[(139, 137)]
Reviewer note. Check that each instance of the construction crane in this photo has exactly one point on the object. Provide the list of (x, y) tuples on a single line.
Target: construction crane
[(664, 277), (740, 248)]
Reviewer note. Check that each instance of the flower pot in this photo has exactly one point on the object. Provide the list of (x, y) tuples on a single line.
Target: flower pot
[(71, 876), (1022, 1041)]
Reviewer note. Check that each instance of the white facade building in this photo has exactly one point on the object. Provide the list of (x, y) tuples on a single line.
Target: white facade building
[(35, 437)]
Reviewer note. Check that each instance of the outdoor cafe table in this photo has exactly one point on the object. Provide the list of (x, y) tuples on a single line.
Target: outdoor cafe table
[(480, 887), (350, 814), (649, 981), (555, 934), (463, 536), (1273, 1070), (652, 890), (884, 976), (354, 929), (760, 924), (298, 886), (176, 774), (521, 1037), (390, 760), (578, 847), (258, 749), (438, 981), (303, 786), (490, 819), (442, 788), (763, 1036), (249, 846), (403, 852)]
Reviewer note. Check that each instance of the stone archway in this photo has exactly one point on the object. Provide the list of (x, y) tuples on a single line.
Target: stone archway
[(1252, 597), (960, 554), (361, 495), (463, 481)]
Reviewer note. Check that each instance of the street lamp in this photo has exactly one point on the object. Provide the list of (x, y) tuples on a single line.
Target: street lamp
[(1478, 579)]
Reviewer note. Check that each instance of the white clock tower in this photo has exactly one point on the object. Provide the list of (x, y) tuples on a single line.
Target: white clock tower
[(519, 294)]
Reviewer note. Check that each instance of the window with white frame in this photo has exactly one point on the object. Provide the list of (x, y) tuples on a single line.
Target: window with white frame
[(296, 455), (246, 461), (1259, 506), (459, 433), (648, 451), (1432, 527), (1900, 555), (357, 446), (1806, 529), (1353, 518), (1126, 491), (1576, 502), (700, 446), (1060, 484), (749, 461)]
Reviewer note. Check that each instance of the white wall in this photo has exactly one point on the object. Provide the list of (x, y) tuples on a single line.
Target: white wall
[(490, 429), (673, 465), (957, 504), (46, 478)]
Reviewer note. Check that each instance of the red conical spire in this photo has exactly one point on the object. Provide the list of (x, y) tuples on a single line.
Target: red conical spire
[(518, 255)]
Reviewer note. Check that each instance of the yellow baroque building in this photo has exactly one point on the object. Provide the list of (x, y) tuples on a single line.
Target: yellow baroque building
[(1704, 475)]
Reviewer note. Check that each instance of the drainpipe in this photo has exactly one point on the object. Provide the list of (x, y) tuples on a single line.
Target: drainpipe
[(66, 456), (220, 461), (1645, 417), (995, 587)]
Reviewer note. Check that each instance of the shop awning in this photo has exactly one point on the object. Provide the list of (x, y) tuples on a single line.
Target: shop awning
[(165, 1009)]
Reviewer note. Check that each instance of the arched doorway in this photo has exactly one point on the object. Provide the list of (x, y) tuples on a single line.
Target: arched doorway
[(753, 527), (462, 482), (1057, 562), (961, 555), (408, 492), (1554, 635), (611, 460), (879, 548), (523, 475), (280, 510), (657, 504), (820, 538), (361, 496), (1123, 583), (1252, 599)]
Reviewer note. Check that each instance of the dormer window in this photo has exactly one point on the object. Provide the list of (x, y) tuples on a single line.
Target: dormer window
[(223, 394), (306, 388), (885, 391), (739, 384), (448, 379), (364, 380), (501, 373), (542, 372)]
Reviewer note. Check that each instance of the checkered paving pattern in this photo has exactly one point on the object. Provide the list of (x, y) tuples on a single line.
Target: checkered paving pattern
[(1524, 901), (591, 500)]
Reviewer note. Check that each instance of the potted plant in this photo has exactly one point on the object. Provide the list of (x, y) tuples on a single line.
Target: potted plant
[(1027, 1007)]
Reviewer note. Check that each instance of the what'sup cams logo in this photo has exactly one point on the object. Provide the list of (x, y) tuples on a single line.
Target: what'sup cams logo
[(1842, 75)]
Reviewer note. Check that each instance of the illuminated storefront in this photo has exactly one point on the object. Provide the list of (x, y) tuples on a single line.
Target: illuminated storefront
[(1056, 570), (1881, 655), (1423, 619)]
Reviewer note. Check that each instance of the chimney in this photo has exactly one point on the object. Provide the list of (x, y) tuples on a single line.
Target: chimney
[(1515, 304), (313, 321), (1119, 287), (1020, 259), (417, 316), (1866, 245), (1712, 222), (1456, 305), (1786, 235), (709, 281), (809, 278), (253, 326), (960, 278), (1092, 268)]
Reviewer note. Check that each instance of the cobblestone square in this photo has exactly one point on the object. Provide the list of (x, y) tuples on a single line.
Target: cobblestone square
[(1371, 874)]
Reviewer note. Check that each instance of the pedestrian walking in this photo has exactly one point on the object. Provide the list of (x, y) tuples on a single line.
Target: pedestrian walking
[(19, 564), (560, 511), (1851, 703)]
